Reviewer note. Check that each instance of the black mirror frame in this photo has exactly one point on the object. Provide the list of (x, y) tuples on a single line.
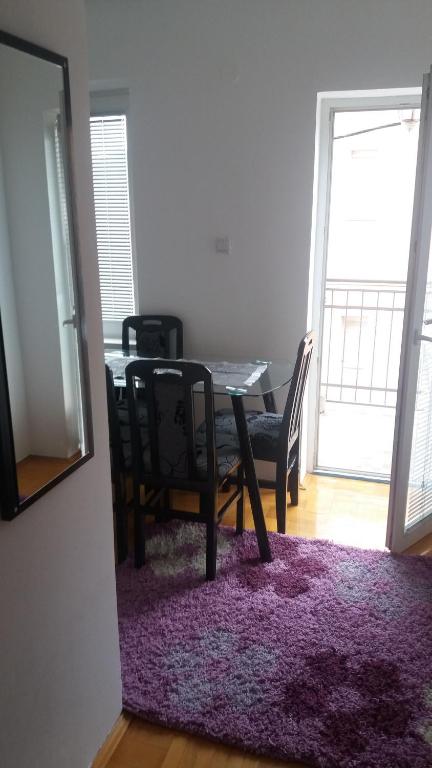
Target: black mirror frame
[(10, 504)]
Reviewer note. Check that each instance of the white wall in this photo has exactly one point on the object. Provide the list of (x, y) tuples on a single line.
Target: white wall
[(222, 122), (59, 659), (11, 336)]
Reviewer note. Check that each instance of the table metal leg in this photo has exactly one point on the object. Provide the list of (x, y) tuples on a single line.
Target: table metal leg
[(251, 479), (269, 402)]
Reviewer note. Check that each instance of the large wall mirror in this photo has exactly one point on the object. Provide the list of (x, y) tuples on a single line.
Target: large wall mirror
[(45, 425)]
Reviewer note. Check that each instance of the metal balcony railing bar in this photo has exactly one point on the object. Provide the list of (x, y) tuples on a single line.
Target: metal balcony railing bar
[(343, 297)]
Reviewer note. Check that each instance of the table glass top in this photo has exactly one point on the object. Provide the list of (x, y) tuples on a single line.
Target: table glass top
[(230, 377)]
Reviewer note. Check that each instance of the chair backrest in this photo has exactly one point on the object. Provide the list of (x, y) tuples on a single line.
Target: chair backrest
[(171, 456), (156, 335), (113, 425), (291, 419)]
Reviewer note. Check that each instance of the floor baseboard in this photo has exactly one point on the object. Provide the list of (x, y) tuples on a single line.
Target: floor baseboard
[(112, 740)]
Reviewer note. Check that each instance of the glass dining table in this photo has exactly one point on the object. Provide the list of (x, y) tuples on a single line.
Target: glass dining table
[(236, 379)]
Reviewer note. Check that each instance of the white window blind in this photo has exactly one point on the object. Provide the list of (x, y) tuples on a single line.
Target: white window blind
[(112, 208)]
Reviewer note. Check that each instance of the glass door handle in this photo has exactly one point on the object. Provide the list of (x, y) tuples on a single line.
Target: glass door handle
[(422, 337), (71, 321)]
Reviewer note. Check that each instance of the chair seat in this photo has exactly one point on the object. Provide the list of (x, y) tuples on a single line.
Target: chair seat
[(227, 450), (263, 428), (227, 453), (227, 457)]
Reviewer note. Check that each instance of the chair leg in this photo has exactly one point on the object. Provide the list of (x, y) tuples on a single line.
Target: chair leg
[(163, 505), (139, 535), (281, 499), (203, 503), (211, 552), (120, 515), (293, 484), (241, 501), (211, 544)]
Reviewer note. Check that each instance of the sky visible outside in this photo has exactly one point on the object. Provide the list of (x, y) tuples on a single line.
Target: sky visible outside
[(372, 192)]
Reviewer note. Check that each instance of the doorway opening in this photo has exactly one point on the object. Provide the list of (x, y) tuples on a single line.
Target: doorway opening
[(364, 200)]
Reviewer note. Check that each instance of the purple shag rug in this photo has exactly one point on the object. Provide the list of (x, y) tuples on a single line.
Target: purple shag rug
[(322, 656)]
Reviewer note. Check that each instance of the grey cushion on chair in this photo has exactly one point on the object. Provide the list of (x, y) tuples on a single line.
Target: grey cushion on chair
[(263, 428), (123, 412), (227, 460), (227, 452)]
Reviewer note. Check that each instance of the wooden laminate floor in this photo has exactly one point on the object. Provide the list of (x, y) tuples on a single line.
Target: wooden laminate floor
[(34, 472), (151, 746), (347, 511)]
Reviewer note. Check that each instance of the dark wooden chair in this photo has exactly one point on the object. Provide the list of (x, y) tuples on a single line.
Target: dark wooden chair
[(155, 335), (121, 461), (171, 455), (121, 457), (276, 437)]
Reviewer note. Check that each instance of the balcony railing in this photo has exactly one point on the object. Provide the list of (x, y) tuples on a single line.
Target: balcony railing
[(361, 346)]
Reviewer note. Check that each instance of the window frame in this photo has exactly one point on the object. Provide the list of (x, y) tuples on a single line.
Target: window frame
[(115, 102), (329, 102)]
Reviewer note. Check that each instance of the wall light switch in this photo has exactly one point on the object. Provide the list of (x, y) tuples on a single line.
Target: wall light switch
[(223, 245)]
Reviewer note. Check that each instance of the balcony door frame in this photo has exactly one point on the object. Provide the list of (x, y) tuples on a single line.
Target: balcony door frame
[(328, 103)]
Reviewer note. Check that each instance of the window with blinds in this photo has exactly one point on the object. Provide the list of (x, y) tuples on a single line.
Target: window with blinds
[(112, 208)]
